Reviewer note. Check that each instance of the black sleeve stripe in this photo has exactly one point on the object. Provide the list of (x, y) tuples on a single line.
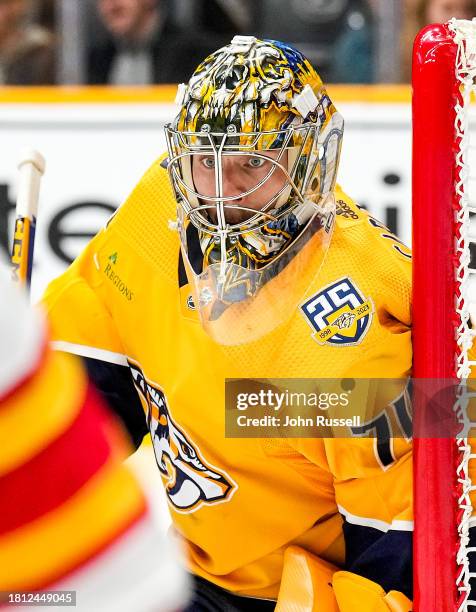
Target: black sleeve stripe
[(116, 386), (384, 557), (195, 256)]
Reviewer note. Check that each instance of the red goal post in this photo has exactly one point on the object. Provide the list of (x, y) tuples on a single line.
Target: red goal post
[(444, 68)]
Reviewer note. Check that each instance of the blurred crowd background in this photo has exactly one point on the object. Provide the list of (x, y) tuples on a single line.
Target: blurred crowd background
[(139, 42)]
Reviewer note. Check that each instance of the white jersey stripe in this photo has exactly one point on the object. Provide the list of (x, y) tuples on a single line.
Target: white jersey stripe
[(364, 521), (88, 351)]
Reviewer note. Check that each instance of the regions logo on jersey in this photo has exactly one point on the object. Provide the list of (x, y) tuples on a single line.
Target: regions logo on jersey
[(339, 314), (189, 479)]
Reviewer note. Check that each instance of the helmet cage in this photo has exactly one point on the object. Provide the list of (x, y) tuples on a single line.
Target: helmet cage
[(304, 154)]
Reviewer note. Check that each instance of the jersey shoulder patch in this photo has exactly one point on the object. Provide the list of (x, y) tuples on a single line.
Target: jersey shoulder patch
[(339, 314)]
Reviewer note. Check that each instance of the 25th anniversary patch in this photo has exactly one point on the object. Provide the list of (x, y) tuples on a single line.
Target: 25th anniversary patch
[(339, 314)]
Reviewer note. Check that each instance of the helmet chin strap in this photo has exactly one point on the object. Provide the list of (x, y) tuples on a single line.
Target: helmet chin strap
[(304, 211)]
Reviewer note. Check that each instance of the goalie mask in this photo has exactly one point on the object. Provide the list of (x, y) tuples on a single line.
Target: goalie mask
[(253, 156)]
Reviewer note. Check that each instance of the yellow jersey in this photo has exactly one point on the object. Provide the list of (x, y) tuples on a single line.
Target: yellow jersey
[(126, 307)]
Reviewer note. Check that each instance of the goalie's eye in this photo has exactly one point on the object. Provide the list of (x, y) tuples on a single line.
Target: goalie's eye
[(256, 162), (208, 162)]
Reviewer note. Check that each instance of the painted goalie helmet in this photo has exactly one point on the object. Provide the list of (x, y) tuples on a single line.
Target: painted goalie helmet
[(253, 157)]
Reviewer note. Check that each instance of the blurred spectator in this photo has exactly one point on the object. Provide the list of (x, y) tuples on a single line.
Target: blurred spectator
[(336, 35), (215, 22), (353, 58), (26, 50), (440, 11), (219, 20), (419, 13), (45, 14), (141, 45)]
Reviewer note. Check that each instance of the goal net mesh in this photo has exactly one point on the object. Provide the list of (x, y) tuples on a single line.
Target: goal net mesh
[(464, 37)]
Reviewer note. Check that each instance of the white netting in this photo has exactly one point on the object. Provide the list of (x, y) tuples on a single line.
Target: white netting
[(464, 33)]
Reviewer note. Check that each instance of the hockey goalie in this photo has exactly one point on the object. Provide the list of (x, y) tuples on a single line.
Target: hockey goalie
[(237, 256)]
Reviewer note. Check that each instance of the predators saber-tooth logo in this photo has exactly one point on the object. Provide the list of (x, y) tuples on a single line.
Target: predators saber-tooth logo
[(189, 479), (339, 314), (345, 320)]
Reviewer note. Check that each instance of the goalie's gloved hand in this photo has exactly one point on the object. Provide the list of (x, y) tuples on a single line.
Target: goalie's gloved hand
[(351, 588), (310, 584)]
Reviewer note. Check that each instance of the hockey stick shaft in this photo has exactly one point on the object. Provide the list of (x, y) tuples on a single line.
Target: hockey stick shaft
[(31, 168)]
